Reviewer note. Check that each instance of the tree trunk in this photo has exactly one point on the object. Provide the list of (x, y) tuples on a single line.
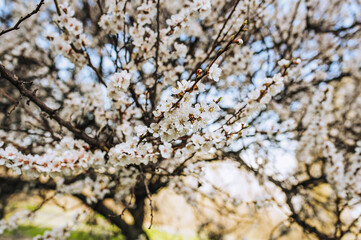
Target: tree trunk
[(130, 232)]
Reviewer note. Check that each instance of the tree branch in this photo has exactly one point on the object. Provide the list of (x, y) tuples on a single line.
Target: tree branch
[(16, 26), (13, 79)]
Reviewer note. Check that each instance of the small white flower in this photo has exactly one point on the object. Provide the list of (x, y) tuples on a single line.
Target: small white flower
[(166, 150), (283, 63), (181, 49), (204, 7), (197, 140), (140, 130), (215, 72), (239, 41), (297, 61), (254, 94), (181, 86), (121, 80)]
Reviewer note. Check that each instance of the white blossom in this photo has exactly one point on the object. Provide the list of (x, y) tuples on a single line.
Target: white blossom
[(215, 72)]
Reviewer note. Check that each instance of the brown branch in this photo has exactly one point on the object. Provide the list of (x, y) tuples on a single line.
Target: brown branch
[(13, 79), (97, 72), (214, 44), (153, 90), (11, 99), (319, 29), (16, 26), (289, 195), (135, 97)]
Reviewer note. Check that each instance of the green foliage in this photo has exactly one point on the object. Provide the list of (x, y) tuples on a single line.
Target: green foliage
[(25, 231), (32, 231)]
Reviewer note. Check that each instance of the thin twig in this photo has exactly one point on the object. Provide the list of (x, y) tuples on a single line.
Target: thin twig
[(214, 44), (16, 26), (205, 73)]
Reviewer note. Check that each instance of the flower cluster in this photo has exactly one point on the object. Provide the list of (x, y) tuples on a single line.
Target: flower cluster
[(72, 42), (342, 169), (118, 86), (131, 152), (12, 222), (180, 117), (95, 189), (312, 141), (185, 85), (68, 157), (215, 72), (257, 99), (112, 22)]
